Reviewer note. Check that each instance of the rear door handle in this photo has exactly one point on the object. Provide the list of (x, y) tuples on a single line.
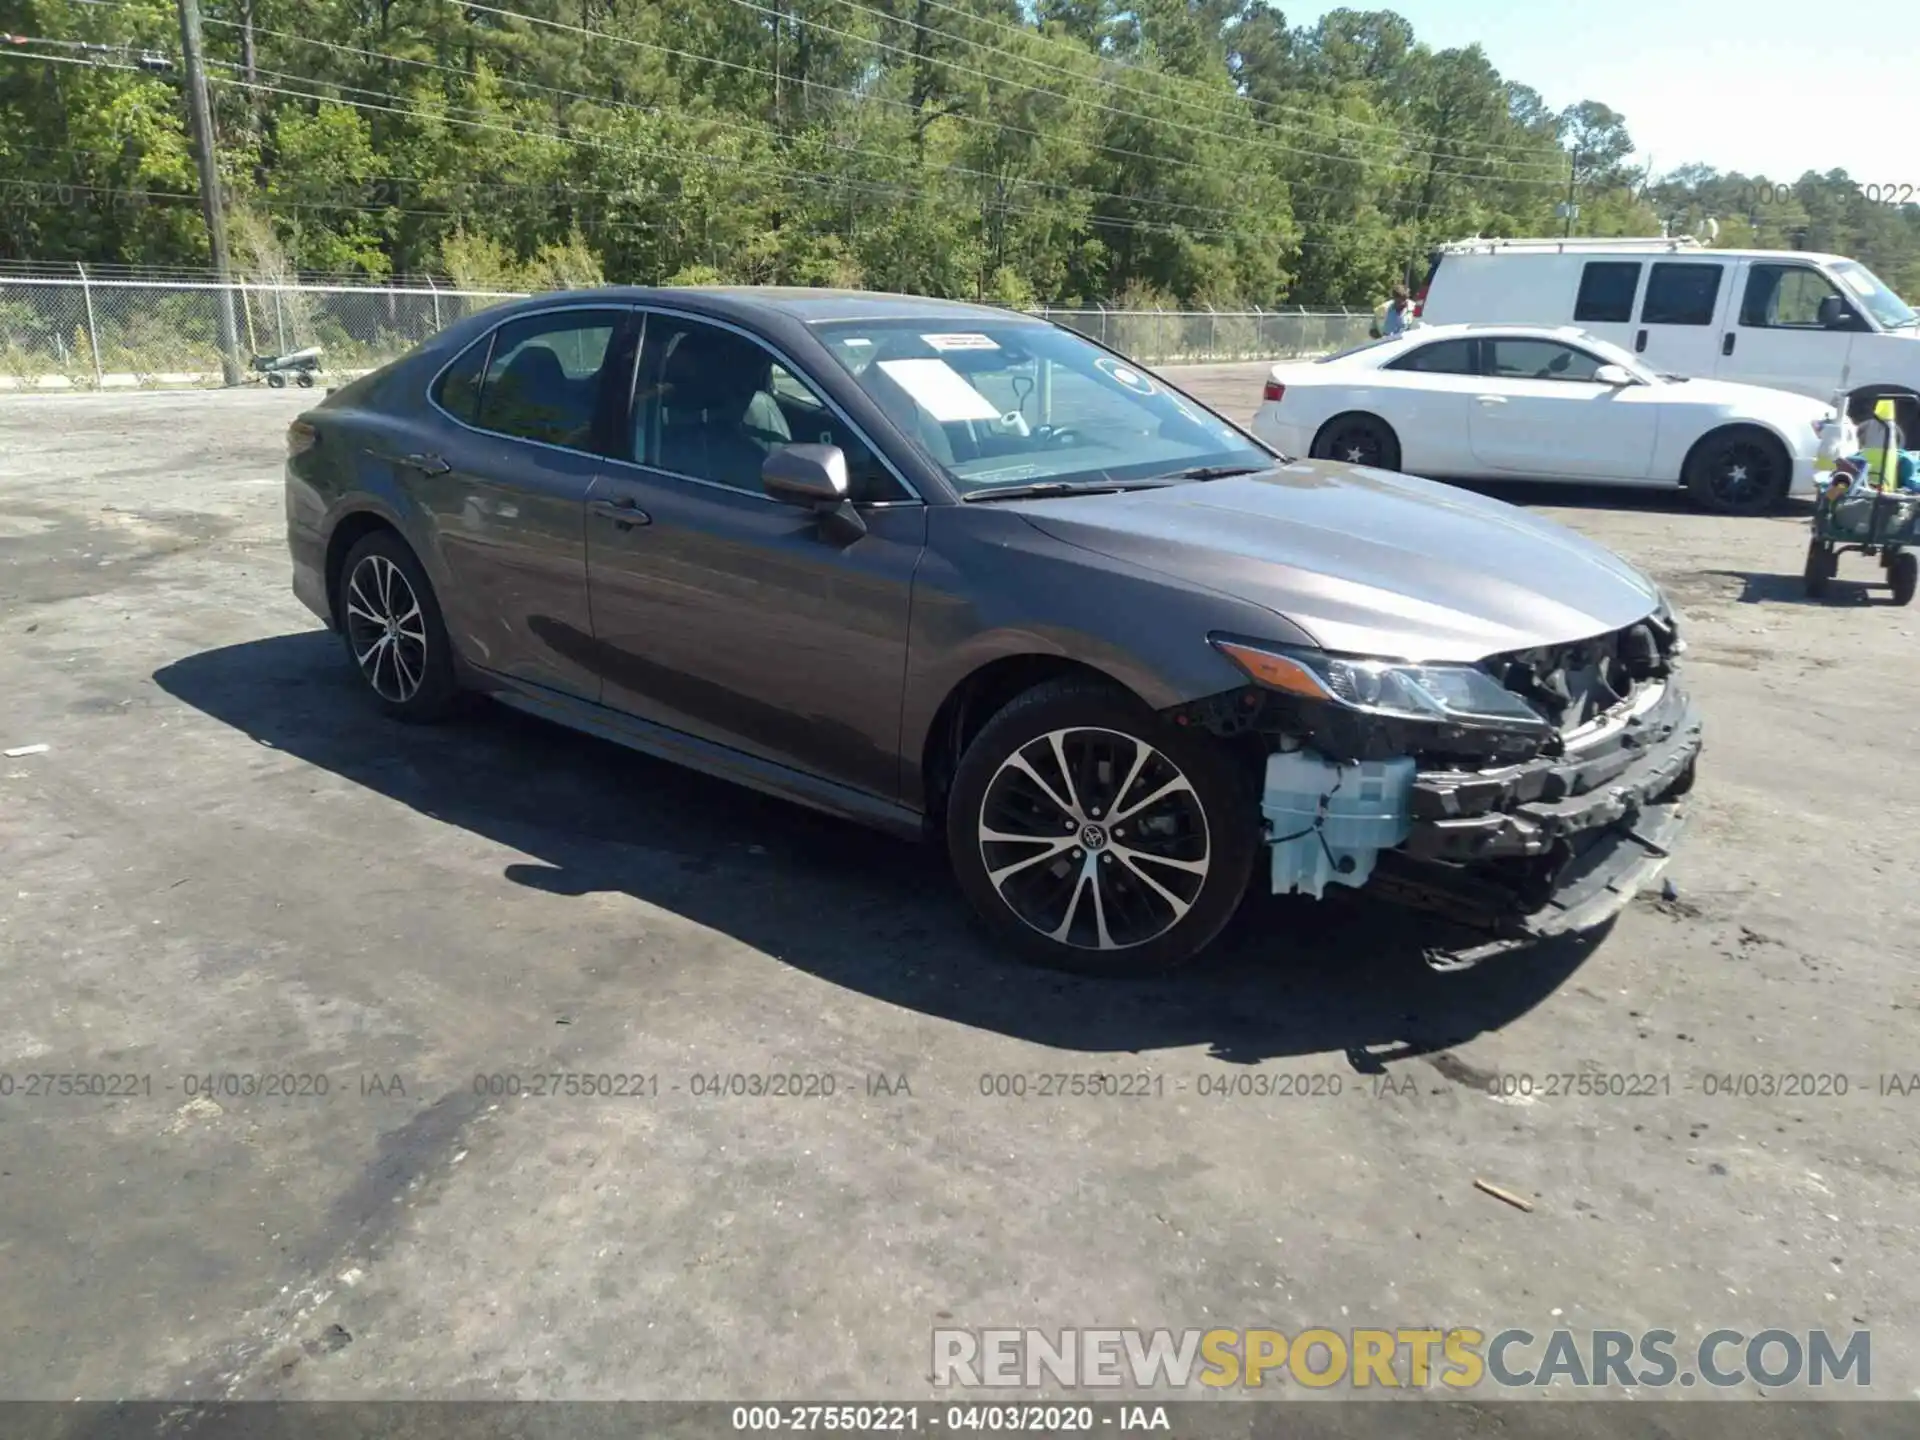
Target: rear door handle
[(1640, 343), (623, 512), (426, 464), (1726, 345), (1491, 399)]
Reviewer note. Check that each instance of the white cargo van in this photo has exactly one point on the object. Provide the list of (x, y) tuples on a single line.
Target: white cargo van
[(1789, 319)]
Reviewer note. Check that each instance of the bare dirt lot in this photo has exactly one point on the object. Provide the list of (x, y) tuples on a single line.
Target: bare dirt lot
[(225, 875)]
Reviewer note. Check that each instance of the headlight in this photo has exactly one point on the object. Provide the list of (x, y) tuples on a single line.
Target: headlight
[(1439, 694)]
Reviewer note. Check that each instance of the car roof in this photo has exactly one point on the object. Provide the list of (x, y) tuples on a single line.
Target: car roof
[(809, 305), (1511, 332)]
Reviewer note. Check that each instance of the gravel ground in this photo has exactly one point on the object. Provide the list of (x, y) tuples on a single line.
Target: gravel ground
[(224, 864)]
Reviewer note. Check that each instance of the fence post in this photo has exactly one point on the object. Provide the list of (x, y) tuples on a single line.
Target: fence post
[(1103, 321), (93, 338), (436, 302), (1213, 334), (279, 318)]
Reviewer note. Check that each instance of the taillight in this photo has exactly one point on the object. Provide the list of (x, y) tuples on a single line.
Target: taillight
[(1274, 391), (301, 437)]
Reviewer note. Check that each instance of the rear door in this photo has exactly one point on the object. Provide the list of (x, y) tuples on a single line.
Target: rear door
[(1538, 412), (522, 421), (1777, 337), (1681, 304)]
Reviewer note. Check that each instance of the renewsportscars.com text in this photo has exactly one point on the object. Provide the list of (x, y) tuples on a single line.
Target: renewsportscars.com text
[(1459, 1358)]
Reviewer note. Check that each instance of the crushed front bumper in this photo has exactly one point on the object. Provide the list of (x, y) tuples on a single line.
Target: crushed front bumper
[(1553, 845)]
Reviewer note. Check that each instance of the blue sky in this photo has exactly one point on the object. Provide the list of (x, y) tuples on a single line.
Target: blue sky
[(1760, 86)]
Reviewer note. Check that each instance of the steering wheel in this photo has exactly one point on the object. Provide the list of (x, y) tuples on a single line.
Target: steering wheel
[(1061, 435)]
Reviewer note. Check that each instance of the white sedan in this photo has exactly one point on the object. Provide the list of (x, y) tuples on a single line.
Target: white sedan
[(1497, 401)]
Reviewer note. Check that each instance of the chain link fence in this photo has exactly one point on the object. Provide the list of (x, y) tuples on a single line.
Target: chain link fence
[(93, 333)]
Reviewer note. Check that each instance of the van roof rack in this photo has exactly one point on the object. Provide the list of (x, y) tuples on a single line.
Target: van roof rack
[(1574, 247)]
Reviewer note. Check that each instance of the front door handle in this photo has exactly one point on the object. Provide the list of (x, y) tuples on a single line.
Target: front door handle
[(623, 512), (1640, 343), (1491, 399), (1726, 345), (426, 464)]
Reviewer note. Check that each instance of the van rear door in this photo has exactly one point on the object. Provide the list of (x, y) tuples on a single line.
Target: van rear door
[(1682, 306), (1780, 336)]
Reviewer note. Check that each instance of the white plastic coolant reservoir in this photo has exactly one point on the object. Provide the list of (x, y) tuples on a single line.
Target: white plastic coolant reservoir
[(1328, 822)]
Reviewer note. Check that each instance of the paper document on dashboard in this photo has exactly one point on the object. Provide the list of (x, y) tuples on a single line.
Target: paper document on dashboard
[(940, 390)]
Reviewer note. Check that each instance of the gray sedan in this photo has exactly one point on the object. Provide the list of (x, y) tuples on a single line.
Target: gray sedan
[(968, 576)]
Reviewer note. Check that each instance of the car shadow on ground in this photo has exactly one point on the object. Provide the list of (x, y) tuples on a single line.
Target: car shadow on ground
[(1648, 500), (854, 907)]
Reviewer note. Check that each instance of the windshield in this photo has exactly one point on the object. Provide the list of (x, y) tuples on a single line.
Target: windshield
[(1875, 298), (1004, 403)]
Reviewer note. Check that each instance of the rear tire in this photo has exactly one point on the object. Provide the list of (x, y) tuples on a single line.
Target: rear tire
[(1822, 563), (393, 630), (1358, 440), (1903, 574), (1129, 858), (276, 380), (1741, 470)]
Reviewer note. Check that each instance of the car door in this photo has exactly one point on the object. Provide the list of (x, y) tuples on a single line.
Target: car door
[(506, 490), (1783, 337), (1426, 395), (1540, 413), (1677, 331), (729, 615)]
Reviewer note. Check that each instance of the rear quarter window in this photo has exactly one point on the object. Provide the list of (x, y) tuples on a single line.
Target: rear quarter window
[(1442, 357), (457, 391)]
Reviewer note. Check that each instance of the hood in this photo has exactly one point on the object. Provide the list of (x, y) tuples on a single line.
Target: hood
[(1365, 561), (1755, 398)]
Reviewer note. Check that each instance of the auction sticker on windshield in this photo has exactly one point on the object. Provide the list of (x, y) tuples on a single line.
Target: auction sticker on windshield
[(960, 342), (1126, 376), (939, 389)]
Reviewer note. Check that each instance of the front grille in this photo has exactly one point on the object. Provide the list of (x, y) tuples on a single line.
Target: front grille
[(1574, 684)]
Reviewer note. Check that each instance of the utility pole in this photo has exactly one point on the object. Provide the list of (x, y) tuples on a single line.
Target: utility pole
[(1573, 171), (200, 116)]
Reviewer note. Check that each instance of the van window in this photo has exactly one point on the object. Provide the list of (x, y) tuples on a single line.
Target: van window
[(1681, 295), (1785, 297), (1606, 291)]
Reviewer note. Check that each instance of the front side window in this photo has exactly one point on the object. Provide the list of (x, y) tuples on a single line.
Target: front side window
[(997, 403), (1541, 360), (543, 382), (1443, 357), (711, 404), (1606, 291), (1681, 295), (1786, 297)]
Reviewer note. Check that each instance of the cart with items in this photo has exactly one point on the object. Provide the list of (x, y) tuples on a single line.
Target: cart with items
[(302, 365), (1870, 501)]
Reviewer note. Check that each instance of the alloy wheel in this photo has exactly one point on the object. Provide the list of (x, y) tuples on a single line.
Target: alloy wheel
[(386, 628), (1744, 473), (1356, 447), (1094, 838)]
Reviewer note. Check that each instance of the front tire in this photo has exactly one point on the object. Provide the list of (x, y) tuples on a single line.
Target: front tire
[(1089, 835), (1358, 440), (393, 630), (1739, 471)]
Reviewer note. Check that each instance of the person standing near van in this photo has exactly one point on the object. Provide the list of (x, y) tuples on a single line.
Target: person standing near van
[(1394, 322)]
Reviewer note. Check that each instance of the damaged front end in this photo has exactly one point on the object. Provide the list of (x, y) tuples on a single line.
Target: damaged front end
[(1530, 795)]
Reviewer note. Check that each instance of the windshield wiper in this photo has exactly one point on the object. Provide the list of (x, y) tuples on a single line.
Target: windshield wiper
[(1045, 489), (1213, 472)]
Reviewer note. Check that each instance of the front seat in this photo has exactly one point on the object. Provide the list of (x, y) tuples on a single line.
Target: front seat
[(718, 421)]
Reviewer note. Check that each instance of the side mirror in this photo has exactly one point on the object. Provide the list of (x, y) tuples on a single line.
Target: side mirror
[(809, 475), (1615, 375), (1836, 314)]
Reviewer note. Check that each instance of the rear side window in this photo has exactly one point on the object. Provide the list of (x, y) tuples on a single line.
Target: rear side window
[(1443, 357), (1606, 291), (458, 389), (543, 382), (1681, 295)]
